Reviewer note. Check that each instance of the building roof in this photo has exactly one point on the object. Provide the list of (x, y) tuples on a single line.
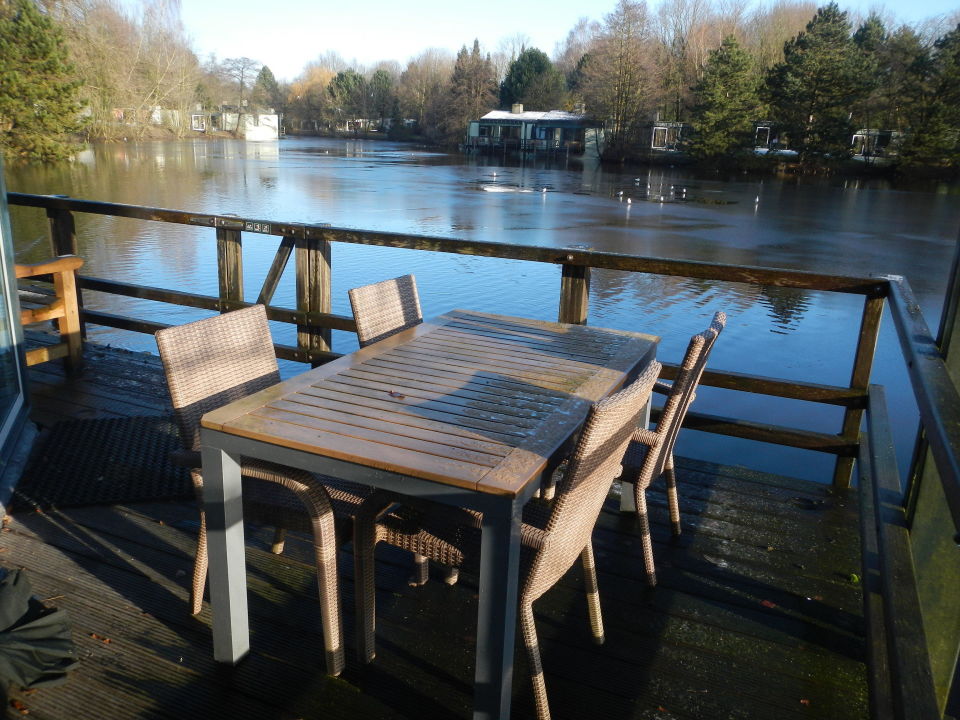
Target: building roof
[(535, 116)]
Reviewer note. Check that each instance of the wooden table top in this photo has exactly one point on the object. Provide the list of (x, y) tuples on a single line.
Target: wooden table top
[(468, 399)]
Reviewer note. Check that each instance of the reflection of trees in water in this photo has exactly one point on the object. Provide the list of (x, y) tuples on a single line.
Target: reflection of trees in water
[(786, 306), (657, 297)]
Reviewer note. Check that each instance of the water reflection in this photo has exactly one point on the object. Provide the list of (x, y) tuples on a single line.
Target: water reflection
[(840, 226)]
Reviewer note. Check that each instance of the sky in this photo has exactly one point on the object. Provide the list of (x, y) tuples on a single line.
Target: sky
[(287, 35)]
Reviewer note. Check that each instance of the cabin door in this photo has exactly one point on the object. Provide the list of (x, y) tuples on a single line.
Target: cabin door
[(12, 387)]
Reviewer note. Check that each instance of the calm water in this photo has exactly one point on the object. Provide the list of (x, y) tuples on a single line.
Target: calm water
[(838, 226)]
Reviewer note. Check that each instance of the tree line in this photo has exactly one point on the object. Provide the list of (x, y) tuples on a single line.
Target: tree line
[(89, 67)]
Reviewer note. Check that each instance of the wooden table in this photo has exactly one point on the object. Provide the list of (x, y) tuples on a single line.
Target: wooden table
[(468, 409)]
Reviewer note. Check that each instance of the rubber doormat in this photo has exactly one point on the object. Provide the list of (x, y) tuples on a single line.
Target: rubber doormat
[(103, 462)]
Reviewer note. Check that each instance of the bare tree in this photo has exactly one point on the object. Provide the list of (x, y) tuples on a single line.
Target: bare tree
[(243, 72), (508, 50), (567, 54), (616, 76), (769, 27), (423, 86), (129, 64)]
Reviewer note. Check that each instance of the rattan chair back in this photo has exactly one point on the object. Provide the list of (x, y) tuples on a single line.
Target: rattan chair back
[(594, 465), (683, 391), (212, 362), (385, 308)]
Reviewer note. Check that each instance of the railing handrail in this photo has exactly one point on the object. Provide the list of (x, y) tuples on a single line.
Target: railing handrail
[(755, 275), (933, 387)]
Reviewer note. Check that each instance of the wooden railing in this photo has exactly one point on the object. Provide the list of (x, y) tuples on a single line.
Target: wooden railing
[(902, 684), (311, 246)]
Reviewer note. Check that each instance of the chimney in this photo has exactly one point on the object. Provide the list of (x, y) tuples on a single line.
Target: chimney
[(516, 108)]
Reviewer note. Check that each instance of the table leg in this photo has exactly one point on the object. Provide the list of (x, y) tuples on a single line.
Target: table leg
[(497, 612), (226, 576)]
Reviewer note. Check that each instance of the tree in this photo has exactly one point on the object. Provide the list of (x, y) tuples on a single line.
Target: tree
[(423, 90), (266, 90), (615, 81), (38, 90), (532, 80), (727, 103), (382, 94), (473, 90), (815, 88), (242, 71), (348, 89), (933, 137), (871, 41)]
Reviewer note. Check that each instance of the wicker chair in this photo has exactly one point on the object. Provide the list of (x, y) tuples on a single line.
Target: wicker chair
[(380, 310), (385, 308), (210, 363), (553, 534), (650, 454)]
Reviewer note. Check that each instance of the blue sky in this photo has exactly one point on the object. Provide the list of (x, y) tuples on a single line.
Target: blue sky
[(286, 35)]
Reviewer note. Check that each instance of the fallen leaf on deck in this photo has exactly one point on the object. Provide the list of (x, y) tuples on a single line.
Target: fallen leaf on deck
[(768, 603), (804, 701), (101, 638), (20, 707)]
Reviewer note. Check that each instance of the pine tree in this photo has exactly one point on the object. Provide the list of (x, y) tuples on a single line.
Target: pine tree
[(815, 88), (727, 102), (871, 40), (533, 81), (38, 108), (266, 90), (933, 138), (473, 90)]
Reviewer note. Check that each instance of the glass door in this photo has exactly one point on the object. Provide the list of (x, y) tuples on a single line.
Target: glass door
[(12, 388)]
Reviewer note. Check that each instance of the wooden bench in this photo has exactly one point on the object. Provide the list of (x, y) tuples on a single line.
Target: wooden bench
[(38, 303)]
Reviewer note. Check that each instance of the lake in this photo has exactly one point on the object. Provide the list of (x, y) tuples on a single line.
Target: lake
[(831, 225)]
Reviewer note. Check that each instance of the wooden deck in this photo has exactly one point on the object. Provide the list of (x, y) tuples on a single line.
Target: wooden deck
[(758, 613)]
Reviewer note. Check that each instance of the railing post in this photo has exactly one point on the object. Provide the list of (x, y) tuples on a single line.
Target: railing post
[(860, 380), (229, 266), (574, 294), (63, 231), (63, 241), (313, 290)]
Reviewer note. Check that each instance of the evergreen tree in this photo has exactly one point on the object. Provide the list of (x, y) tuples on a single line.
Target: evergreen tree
[(908, 90), (382, 95), (38, 107), (815, 88), (871, 41), (266, 90), (532, 80), (933, 138), (727, 102), (473, 91)]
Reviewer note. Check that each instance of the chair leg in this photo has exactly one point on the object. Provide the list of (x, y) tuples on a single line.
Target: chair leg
[(364, 591), (325, 548), (640, 497), (529, 631), (451, 575), (421, 571), (593, 593), (279, 538), (199, 568), (672, 500)]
